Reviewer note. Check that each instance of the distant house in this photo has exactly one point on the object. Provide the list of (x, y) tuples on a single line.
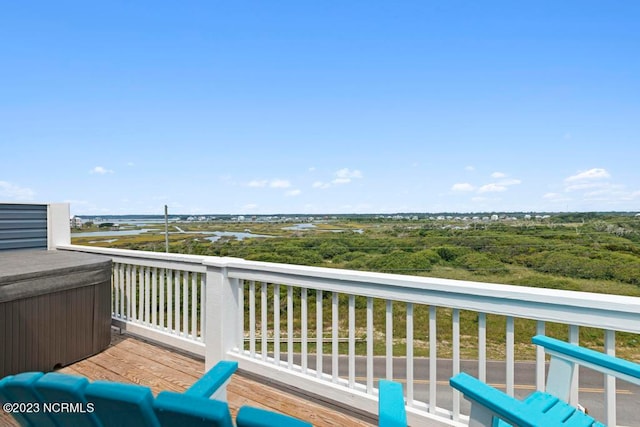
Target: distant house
[(75, 222)]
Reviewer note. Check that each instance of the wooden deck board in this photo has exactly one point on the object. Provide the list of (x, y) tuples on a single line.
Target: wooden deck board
[(133, 360)]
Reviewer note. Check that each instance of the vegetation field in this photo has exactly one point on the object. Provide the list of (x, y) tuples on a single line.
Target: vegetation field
[(582, 252)]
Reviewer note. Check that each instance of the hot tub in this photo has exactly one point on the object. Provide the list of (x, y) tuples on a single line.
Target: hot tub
[(55, 309)]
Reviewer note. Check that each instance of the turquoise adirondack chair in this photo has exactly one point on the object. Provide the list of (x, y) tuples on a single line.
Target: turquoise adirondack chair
[(491, 407), (107, 404)]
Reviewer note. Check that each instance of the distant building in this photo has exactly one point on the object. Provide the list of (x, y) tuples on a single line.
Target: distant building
[(75, 222)]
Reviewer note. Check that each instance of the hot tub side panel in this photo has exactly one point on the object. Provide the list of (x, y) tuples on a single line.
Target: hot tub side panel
[(43, 332)]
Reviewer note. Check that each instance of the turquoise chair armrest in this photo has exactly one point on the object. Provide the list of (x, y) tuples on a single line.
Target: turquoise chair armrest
[(594, 359), (391, 408), (254, 417), (213, 379), (506, 407)]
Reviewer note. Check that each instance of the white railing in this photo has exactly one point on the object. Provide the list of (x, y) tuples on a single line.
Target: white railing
[(158, 296), (319, 329)]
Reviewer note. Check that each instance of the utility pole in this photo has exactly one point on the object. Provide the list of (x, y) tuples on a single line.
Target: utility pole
[(166, 229)]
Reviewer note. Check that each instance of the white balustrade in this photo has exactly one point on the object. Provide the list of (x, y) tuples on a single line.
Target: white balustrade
[(276, 320)]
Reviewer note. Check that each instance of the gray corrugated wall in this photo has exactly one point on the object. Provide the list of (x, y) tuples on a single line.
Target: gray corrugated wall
[(23, 226)]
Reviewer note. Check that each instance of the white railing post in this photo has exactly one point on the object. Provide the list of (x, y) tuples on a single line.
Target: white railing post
[(574, 335), (221, 312), (540, 359), (58, 227), (610, 381)]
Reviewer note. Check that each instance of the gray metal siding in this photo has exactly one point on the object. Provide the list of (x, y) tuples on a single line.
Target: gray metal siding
[(23, 226)]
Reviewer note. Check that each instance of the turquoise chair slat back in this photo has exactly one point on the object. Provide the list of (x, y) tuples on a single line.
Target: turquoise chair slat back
[(180, 410), (5, 398), (20, 389), (68, 390), (122, 405)]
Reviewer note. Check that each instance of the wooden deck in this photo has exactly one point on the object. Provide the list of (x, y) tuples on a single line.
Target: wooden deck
[(132, 360)]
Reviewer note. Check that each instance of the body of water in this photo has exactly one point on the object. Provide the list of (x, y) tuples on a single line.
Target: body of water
[(214, 235), (300, 227), (217, 235), (110, 233)]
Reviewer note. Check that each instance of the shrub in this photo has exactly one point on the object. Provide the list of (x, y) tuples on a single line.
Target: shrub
[(481, 264)]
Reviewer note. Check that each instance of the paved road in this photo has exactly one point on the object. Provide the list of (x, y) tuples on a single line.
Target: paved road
[(591, 383)]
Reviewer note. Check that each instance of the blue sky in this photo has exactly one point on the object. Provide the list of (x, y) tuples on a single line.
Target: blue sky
[(121, 107)]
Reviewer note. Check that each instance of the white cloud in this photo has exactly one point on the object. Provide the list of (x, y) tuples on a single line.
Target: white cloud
[(258, 183), (16, 192), (76, 202), (339, 181), (598, 194), (510, 181), (595, 185), (501, 184), (498, 187), (131, 164), (100, 170), (632, 196), (585, 186), (470, 168), (592, 181), (346, 175), (555, 197), (293, 193), (279, 183), (589, 175), (342, 176), (274, 183), (492, 188), (462, 187)]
